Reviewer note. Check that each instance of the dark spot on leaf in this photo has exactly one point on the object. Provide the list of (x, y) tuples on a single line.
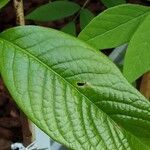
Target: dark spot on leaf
[(81, 84)]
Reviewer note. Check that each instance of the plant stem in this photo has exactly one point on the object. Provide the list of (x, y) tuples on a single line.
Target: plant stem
[(18, 5), (85, 3), (26, 124), (145, 85)]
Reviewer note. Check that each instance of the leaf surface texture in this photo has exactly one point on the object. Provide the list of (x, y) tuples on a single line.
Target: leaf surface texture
[(115, 26), (53, 11), (72, 92), (138, 52)]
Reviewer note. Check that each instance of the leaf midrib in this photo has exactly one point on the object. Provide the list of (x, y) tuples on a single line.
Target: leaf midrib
[(50, 69), (140, 16)]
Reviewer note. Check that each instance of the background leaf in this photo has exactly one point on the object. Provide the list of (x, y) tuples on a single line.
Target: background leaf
[(3, 3), (85, 17), (114, 27), (137, 58), (78, 93), (111, 3), (54, 11), (69, 28)]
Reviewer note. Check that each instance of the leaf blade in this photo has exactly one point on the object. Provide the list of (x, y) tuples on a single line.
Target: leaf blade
[(53, 11), (138, 52), (56, 103), (85, 17), (3, 3), (115, 26), (69, 28)]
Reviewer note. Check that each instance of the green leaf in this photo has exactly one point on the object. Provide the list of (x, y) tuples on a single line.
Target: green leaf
[(3, 3), (54, 11), (71, 91), (85, 17), (111, 3), (137, 58), (70, 28), (115, 26)]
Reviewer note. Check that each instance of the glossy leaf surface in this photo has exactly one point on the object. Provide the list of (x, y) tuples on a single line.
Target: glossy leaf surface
[(137, 58), (53, 11), (115, 26), (71, 91)]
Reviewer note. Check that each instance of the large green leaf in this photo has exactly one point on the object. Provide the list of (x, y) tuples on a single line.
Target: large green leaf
[(137, 58), (111, 3), (3, 3), (115, 26), (71, 91), (53, 11)]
